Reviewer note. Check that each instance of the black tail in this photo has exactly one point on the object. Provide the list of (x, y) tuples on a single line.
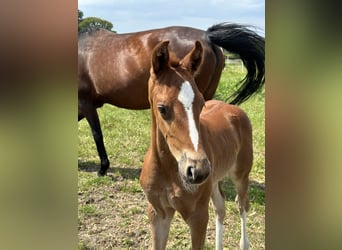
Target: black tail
[(238, 39)]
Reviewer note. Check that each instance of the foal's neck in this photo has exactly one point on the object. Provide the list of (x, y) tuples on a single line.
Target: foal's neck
[(159, 146)]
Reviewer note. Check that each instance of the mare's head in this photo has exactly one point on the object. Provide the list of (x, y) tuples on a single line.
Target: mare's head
[(176, 105)]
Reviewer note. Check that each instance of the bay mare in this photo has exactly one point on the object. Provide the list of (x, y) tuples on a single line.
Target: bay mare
[(114, 68), (194, 144)]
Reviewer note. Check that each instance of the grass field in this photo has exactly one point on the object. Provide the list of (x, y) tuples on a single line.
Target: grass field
[(111, 211)]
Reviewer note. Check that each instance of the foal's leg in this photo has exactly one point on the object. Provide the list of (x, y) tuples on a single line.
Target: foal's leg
[(198, 222), (94, 122), (160, 226), (217, 198), (243, 206)]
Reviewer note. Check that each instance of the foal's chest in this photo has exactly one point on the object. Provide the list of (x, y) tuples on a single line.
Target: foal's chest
[(173, 196), (166, 195)]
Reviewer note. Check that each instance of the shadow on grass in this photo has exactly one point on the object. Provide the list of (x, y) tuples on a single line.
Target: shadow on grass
[(126, 173), (256, 189)]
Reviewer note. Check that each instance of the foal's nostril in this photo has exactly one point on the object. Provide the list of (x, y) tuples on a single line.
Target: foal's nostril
[(191, 173)]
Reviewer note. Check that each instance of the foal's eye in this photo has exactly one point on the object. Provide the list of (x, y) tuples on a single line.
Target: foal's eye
[(162, 109)]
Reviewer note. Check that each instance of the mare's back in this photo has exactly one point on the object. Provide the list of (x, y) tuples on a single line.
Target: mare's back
[(119, 64)]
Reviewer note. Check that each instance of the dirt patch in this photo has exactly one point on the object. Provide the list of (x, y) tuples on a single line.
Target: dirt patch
[(111, 212)]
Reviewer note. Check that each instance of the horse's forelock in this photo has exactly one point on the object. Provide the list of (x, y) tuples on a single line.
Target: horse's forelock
[(174, 60)]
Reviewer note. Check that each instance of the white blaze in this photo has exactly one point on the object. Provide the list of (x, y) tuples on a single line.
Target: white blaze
[(186, 97)]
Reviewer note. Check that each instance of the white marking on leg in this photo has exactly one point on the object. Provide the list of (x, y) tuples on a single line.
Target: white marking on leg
[(219, 234), (186, 97), (244, 242)]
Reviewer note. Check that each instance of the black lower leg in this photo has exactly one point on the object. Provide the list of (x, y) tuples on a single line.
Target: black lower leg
[(102, 153), (94, 123)]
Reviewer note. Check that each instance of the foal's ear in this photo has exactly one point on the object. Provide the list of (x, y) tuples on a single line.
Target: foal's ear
[(160, 57), (193, 59)]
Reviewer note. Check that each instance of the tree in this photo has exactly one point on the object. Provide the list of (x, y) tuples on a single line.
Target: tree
[(80, 16), (92, 22)]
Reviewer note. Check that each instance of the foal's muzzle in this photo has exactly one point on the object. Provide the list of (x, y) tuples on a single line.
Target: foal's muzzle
[(194, 171)]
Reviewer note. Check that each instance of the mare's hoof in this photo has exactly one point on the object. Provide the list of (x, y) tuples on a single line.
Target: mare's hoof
[(102, 173)]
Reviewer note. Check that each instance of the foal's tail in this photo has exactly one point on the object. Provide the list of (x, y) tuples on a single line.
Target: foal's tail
[(251, 47)]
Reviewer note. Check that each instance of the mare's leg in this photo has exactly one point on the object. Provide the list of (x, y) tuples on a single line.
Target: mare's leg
[(87, 105), (93, 119), (80, 116), (217, 198), (160, 226), (198, 222), (242, 202)]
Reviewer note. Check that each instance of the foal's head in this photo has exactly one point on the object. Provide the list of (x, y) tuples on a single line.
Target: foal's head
[(176, 104)]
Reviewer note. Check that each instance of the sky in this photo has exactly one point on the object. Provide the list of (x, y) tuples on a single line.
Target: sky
[(138, 15)]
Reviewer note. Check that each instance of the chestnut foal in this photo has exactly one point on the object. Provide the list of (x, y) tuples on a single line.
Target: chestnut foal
[(194, 144)]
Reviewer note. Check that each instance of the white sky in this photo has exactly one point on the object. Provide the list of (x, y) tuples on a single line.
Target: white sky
[(137, 15)]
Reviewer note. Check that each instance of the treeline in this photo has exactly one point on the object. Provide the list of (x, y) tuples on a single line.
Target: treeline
[(93, 22)]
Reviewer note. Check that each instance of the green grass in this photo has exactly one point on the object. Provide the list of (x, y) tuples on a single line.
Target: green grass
[(87, 210), (127, 136)]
